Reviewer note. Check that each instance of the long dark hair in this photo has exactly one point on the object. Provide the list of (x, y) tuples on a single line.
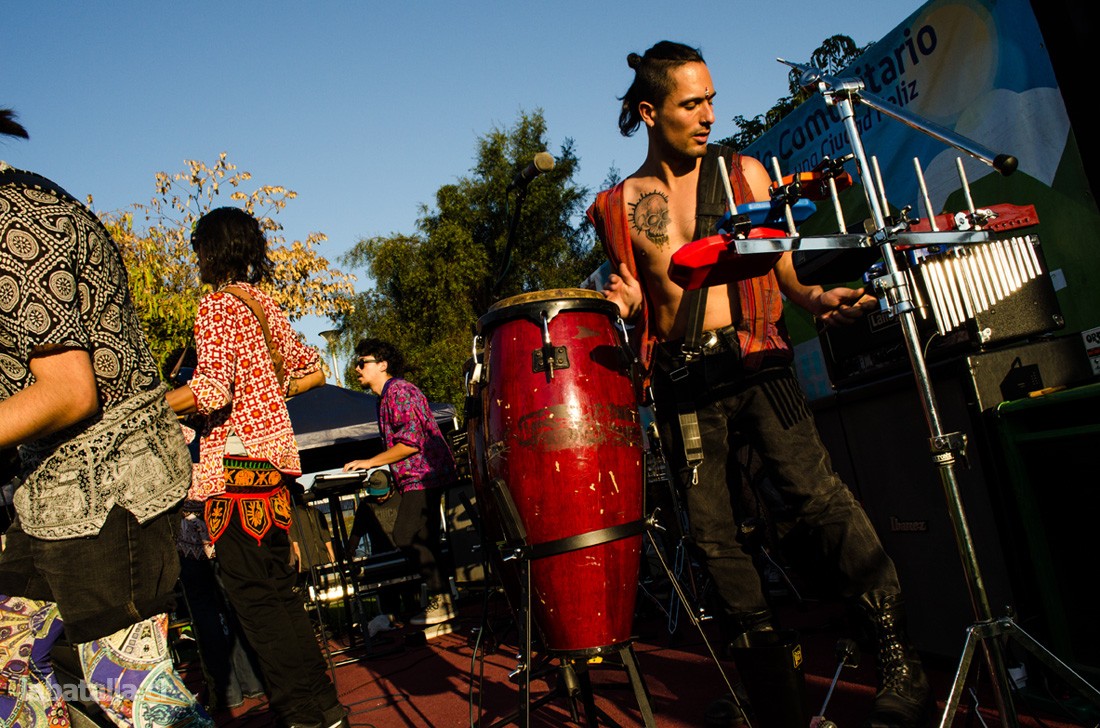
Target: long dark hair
[(11, 127), (652, 82), (233, 247)]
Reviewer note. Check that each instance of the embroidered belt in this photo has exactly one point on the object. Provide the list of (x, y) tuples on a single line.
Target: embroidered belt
[(254, 488)]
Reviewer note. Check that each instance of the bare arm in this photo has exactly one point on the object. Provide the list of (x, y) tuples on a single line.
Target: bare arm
[(395, 454), (304, 384), (64, 393), (835, 306), (182, 400)]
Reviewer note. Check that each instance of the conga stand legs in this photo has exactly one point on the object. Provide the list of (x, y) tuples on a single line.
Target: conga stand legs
[(516, 548), (944, 447), (578, 682)]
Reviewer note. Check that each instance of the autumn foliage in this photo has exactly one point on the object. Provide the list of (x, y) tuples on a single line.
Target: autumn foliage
[(155, 239)]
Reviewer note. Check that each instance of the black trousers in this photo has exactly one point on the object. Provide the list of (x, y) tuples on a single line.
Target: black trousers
[(101, 584), (231, 666), (417, 533), (769, 410), (259, 582)]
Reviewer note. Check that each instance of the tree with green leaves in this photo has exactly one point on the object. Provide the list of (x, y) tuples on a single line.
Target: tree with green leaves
[(832, 56), (163, 270), (431, 286)]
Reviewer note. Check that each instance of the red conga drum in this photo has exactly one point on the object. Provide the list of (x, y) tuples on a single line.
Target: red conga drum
[(559, 428)]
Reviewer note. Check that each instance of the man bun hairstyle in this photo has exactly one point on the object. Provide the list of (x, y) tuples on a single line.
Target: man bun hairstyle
[(652, 81), (9, 126)]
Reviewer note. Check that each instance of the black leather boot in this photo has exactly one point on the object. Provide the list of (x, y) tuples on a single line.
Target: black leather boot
[(728, 711), (772, 691), (904, 698), (725, 712), (335, 717)]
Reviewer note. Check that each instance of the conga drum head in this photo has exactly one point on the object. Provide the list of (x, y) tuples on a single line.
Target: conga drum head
[(535, 304)]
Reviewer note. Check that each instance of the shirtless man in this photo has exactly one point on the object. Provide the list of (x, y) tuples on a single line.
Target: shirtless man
[(743, 381)]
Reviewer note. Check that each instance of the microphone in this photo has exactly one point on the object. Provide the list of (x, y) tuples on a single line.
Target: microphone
[(542, 162)]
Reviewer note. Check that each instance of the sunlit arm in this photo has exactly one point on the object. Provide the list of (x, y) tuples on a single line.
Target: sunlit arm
[(64, 393), (297, 385), (625, 291), (835, 306), (395, 454), (182, 401)]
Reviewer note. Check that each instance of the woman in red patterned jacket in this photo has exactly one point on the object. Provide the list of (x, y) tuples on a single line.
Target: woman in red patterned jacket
[(249, 360)]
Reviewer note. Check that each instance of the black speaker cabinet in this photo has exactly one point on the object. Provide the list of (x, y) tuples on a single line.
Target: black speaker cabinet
[(1048, 445), (878, 437), (463, 536)]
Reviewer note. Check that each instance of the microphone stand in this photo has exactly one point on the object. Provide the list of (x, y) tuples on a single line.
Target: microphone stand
[(945, 447), (506, 265)]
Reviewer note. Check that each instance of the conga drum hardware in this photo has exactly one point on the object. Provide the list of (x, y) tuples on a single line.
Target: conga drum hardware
[(549, 357), (474, 373)]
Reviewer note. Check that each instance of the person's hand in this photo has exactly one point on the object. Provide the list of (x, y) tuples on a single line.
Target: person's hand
[(842, 306), (625, 291), (357, 465)]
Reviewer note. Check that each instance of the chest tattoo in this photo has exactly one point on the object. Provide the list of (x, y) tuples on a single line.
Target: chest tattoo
[(649, 216)]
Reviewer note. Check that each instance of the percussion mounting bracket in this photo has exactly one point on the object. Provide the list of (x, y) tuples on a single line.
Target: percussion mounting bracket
[(892, 290), (948, 446), (549, 358)]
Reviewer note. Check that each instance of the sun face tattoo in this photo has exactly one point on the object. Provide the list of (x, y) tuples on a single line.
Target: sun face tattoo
[(649, 216)]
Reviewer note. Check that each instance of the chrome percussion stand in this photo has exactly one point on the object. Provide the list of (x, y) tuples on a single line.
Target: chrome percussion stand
[(988, 632)]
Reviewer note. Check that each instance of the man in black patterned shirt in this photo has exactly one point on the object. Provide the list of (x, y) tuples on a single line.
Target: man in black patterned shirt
[(103, 467)]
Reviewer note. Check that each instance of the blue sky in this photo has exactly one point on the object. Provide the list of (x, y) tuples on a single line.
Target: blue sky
[(366, 108)]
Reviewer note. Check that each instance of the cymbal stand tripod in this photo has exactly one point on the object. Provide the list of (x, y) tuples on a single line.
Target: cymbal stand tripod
[(946, 447), (667, 515), (690, 610)]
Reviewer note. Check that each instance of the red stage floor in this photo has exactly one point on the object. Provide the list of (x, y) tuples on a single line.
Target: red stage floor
[(403, 680)]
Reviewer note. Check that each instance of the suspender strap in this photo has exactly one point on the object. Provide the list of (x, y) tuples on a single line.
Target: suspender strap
[(710, 196), (710, 205)]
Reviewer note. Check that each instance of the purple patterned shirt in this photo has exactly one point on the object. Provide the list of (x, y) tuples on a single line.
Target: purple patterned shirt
[(404, 416)]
